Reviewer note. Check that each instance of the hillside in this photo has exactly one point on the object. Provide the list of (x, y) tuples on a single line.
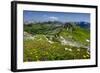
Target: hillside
[(56, 41)]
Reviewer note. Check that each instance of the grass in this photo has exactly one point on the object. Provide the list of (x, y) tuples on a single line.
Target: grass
[(40, 49)]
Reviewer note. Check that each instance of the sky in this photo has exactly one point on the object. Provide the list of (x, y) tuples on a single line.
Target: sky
[(42, 16)]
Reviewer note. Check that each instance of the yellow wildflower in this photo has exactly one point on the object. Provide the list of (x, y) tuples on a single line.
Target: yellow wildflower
[(84, 56)]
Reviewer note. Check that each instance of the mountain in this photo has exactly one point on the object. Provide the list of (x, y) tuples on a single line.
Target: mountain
[(56, 41), (84, 25)]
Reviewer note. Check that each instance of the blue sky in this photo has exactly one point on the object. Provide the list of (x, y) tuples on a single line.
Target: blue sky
[(41, 16)]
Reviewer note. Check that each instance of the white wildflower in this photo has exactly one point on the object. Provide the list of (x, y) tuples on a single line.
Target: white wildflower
[(88, 40), (84, 56), (40, 39), (50, 42), (88, 52), (66, 48), (61, 37), (78, 49), (70, 49)]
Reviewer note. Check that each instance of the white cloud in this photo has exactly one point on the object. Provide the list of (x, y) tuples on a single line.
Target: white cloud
[(53, 18)]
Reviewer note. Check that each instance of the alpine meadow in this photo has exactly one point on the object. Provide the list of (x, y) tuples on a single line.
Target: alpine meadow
[(52, 36)]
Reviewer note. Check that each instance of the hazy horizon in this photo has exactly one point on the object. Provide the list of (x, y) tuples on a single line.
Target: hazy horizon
[(44, 16)]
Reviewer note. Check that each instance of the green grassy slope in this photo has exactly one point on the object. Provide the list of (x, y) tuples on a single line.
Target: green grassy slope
[(48, 43)]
